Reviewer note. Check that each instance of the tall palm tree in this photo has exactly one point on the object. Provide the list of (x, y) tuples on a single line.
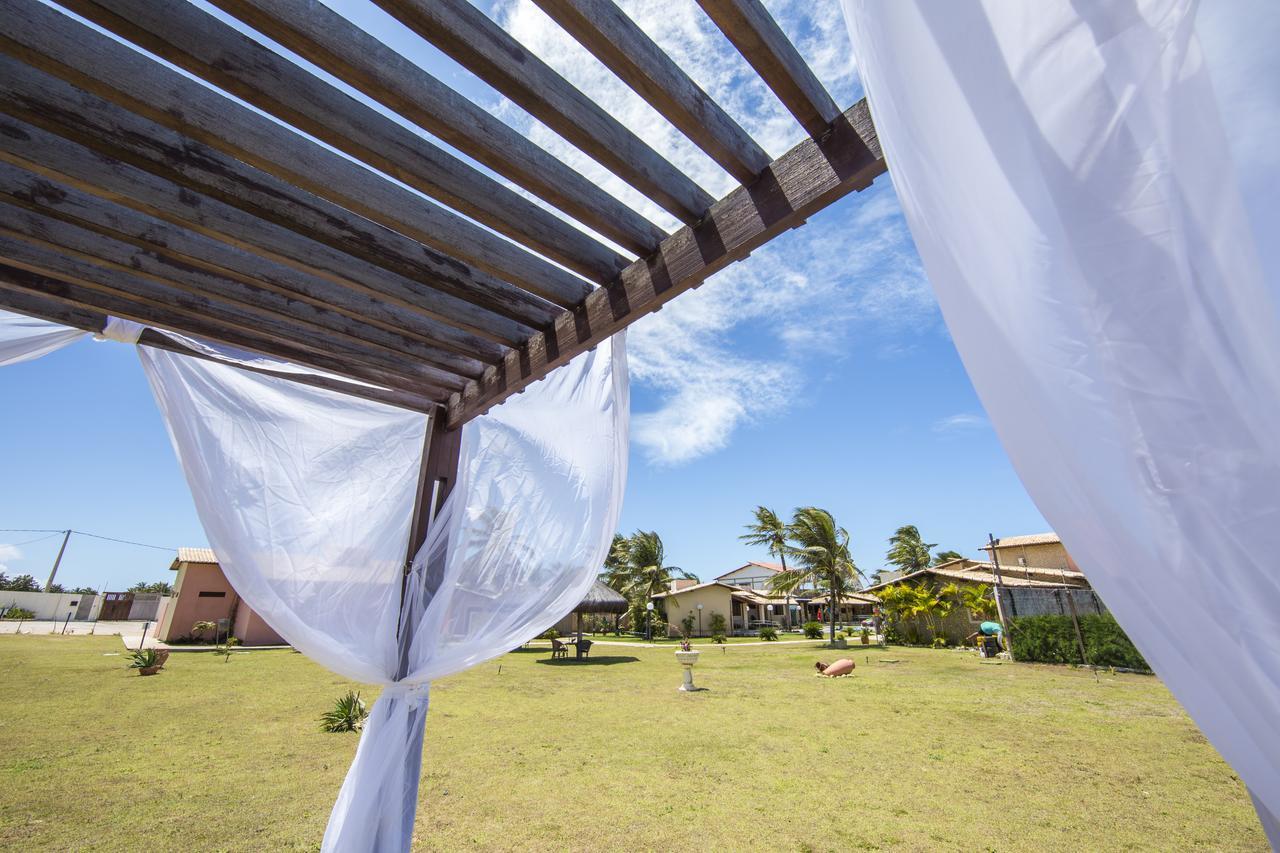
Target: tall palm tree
[(821, 548), (638, 570), (768, 531), (946, 557), (908, 551)]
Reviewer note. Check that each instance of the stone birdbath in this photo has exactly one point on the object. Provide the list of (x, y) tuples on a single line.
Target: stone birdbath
[(687, 657)]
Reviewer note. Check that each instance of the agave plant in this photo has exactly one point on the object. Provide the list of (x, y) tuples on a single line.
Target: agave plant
[(147, 661), (347, 714)]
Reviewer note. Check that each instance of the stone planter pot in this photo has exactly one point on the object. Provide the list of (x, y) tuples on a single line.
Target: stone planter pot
[(839, 643), (149, 670), (866, 640), (687, 660)]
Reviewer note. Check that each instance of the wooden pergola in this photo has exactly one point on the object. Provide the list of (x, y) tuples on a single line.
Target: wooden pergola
[(129, 189)]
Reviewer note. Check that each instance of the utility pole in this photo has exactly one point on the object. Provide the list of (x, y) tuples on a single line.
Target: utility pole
[(995, 570), (66, 535)]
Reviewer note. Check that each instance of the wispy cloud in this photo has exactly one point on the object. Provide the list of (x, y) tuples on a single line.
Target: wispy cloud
[(7, 553), (743, 346), (963, 422)]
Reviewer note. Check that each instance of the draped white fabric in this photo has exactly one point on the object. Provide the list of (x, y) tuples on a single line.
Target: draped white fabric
[(1066, 177), (516, 545), (23, 338), (306, 497)]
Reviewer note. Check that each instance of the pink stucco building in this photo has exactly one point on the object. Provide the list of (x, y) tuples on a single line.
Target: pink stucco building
[(203, 594)]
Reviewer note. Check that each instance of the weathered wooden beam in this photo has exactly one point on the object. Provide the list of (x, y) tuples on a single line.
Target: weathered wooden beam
[(47, 154), (798, 184), (31, 292), (312, 30), (158, 304), (401, 329), (219, 291), (190, 38), (39, 305), (757, 36), (467, 35), (49, 100), (613, 38)]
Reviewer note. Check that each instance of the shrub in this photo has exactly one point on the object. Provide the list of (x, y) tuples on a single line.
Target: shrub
[(767, 633), (549, 634), (1052, 639), (347, 714), (686, 626), (813, 630), (718, 625), (16, 612), (718, 638), (939, 642)]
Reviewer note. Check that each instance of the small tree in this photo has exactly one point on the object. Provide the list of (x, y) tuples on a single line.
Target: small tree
[(203, 627)]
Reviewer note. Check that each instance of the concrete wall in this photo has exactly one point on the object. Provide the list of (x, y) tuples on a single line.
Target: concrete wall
[(252, 630), (146, 606), (714, 599), (200, 594), (52, 605)]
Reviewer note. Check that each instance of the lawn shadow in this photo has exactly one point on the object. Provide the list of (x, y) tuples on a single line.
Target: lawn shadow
[(604, 660)]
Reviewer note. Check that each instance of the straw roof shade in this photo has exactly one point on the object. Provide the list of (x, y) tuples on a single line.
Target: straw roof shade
[(602, 599)]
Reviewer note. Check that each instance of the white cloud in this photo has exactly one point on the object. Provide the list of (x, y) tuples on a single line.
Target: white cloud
[(963, 422), (740, 348), (8, 552)]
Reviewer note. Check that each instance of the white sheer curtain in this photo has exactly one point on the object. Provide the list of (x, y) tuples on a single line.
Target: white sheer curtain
[(306, 496), (23, 338), (1066, 177)]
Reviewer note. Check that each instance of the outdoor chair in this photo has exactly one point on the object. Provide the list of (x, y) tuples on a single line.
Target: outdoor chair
[(584, 648), (558, 649)]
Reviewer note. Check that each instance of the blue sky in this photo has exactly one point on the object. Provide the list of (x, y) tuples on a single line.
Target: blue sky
[(817, 372)]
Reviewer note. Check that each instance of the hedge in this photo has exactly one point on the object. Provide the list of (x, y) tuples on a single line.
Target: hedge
[(1052, 639)]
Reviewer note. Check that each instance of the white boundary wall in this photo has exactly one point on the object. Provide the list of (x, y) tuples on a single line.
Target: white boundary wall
[(49, 605)]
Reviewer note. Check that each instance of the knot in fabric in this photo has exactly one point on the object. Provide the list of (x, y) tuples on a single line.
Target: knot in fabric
[(121, 330), (413, 693)]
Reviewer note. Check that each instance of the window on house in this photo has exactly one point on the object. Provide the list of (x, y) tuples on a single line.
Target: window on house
[(212, 594)]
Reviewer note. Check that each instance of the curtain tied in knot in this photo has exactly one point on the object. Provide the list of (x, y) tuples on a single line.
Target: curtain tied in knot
[(121, 330), (415, 694)]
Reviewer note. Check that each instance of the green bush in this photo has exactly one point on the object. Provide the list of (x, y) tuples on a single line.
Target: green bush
[(549, 634), (347, 714), (813, 630), (767, 633), (718, 625), (939, 642), (686, 626), (16, 612), (1052, 639), (718, 638)]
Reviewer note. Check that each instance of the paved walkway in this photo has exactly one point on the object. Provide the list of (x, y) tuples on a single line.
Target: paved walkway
[(129, 632)]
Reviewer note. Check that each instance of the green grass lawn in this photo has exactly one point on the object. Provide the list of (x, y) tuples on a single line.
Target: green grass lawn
[(936, 752)]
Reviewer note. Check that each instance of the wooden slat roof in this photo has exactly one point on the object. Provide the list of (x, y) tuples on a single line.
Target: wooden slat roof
[(295, 220)]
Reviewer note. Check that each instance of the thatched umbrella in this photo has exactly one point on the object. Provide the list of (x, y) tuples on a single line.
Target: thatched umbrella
[(599, 599)]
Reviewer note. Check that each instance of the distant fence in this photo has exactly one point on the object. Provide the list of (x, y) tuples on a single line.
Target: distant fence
[(1018, 601)]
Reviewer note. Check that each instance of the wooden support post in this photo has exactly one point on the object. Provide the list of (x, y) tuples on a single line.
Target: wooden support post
[(436, 478)]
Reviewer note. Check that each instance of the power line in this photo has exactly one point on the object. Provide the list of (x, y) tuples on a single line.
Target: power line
[(83, 533), (37, 539)]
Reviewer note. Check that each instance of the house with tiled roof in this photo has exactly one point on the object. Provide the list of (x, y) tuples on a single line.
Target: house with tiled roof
[(202, 593)]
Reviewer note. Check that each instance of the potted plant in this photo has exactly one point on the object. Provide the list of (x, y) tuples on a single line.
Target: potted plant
[(147, 661), (866, 636), (687, 657)]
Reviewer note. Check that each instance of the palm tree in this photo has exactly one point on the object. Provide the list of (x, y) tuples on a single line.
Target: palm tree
[(638, 571), (769, 532), (615, 564), (821, 548), (908, 551), (976, 598), (946, 557)]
